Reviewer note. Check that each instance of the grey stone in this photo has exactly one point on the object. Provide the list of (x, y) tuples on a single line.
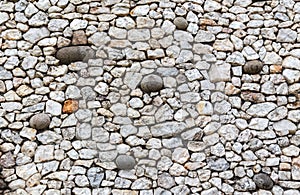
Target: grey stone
[(151, 83), (71, 54), (263, 181), (253, 67), (167, 129), (180, 23), (33, 35), (125, 162), (95, 176), (7, 160), (40, 121), (5, 74), (218, 164)]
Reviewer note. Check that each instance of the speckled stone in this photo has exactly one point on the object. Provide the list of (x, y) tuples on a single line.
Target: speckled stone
[(263, 181)]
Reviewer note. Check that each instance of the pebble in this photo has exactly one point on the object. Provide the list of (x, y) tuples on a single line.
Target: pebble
[(151, 83), (180, 23), (40, 121), (125, 162), (263, 181), (253, 67), (67, 55)]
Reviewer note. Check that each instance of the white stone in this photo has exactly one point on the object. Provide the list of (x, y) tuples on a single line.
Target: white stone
[(33, 35), (291, 62), (53, 107)]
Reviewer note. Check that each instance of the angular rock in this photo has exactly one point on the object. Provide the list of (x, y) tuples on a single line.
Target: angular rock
[(95, 176), (218, 165), (70, 106), (67, 55), (167, 129), (205, 108), (286, 35), (7, 160), (33, 35)]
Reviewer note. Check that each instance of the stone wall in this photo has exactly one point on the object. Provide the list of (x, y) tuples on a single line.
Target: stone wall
[(149, 97)]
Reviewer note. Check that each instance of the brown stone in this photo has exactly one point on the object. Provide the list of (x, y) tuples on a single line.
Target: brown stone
[(79, 38), (67, 55), (253, 97), (70, 106), (253, 67), (275, 69)]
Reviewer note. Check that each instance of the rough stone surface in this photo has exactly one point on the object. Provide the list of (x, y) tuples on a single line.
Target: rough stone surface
[(149, 97), (263, 181)]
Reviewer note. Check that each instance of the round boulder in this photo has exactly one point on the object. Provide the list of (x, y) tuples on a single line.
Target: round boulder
[(253, 67), (181, 23), (67, 55), (125, 162), (152, 83), (40, 121), (263, 181)]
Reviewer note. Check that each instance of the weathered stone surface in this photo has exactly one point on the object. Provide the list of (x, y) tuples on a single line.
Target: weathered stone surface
[(167, 129), (67, 55), (70, 106), (40, 121), (33, 35)]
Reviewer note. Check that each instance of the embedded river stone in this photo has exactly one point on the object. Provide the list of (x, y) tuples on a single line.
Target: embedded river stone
[(263, 181), (71, 54), (181, 23), (152, 83), (125, 162), (253, 67), (40, 121)]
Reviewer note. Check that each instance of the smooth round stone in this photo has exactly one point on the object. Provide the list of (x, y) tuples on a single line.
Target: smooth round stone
[(67, 55), (263, 181), (253, 67), (181, 23), (40, 121), (125, 162), (152, 83)]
